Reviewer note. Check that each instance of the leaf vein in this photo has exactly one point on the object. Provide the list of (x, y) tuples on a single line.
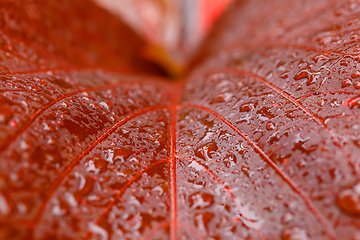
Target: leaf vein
[(283, 175), (227, 189), (74, 162), (40, 111)]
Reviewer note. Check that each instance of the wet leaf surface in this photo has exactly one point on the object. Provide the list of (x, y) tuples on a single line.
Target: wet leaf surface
[(261, 141)]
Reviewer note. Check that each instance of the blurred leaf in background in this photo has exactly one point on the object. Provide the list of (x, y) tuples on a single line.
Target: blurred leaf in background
[(173, 28)]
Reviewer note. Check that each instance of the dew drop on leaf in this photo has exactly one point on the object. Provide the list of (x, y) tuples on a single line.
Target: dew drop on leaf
[(70, 199), (281, 66), (270, 126), (5, 115), (4, 206), (13, 123), (98, 231), (326, 40), (25, 106), (218, 99), (355, 74), (21, 207), (310, 76), (98, 200), (247, 107), (201, 200), (101, 165), (294, 233), (247, 172), (207, 151), (196, 166), (24, 145), (348, 200), (345, 83), (159, 190), (109, 155), (320, 58), (357, 84), (104, 105), (287, 218), (56, 209), (90, 167), (321, 102), (344, 63)]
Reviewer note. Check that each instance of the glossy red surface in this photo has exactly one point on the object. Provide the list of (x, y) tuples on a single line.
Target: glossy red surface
[(260, 141)]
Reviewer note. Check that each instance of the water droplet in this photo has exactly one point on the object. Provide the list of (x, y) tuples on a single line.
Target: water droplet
[(270, 126), (217, 99), (22, 208), (287, 218), (294, 233), (120, 154), (326, 40), (357, 84), (321, 102), (247, 107), (195, 166), (350, 102), (223, 97), (320, 58), (348, 200), (13, 123), (134, 160), (46, 127), (90, 167), (98, 231), (109, 155), (65, 104), (84, 190), (302, 74), (70, 199), (265, 114), (207, 151), (285, 75), (201, 200), (4, 206), (50, 140), (24, 145), (25, 105), (247, 172), (344, 63), (281, 66), (81, 179), (279, 196), (355, 74), (98, 200), (159, 190), (5, 116), (311, 76), (104, 105), (56, 209), (102, 164), (229, 160), (346, 83), (42, 82)]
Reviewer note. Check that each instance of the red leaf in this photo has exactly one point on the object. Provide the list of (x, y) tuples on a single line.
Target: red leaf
[(260, 142), (73, 34)]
